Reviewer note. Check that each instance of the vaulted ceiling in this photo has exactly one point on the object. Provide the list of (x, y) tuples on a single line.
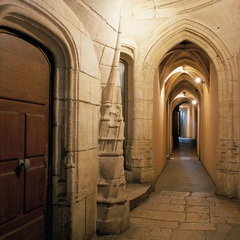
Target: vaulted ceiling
[(183, 72)]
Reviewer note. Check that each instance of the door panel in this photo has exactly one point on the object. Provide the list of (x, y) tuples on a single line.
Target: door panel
[(28, 72), (32, 231), (11, 135), (35, 135), (10, 201), (34, 188), (24, 107)]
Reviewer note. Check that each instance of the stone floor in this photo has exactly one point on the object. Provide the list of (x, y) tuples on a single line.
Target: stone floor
[(184, 206)]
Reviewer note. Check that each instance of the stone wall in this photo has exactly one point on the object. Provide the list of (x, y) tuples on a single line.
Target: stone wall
[(153, 29), (83, 39), (80, 37)]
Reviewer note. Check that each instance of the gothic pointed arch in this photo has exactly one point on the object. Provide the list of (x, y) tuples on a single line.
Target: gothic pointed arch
[(53, 35), (165, 38)]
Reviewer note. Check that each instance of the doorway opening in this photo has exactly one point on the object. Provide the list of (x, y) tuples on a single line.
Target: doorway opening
[(184, 129), (25, 137)]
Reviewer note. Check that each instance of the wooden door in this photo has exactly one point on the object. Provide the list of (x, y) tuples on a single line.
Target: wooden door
[(24, 113), (175, 126)]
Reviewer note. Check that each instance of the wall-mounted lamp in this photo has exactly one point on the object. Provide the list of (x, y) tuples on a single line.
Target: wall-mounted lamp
[(199, 80), (194, 102)]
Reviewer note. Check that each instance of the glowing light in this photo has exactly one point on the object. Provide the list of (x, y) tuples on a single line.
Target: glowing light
[(194, 102), (198, 79)]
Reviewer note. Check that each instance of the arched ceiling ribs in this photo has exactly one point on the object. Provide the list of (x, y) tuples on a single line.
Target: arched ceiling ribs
[(178, 72), (183, 66), (183, 93), (184, 86), (179, 101), (187, 58), (184, 81)]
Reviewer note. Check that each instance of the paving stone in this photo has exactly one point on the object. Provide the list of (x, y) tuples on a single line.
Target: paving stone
[(175, 193), (165, 207), (159, 199), (198, 226), (159, 223), (224, 211), (174, 197), (233, 220), (233, 235), (135, 221), (223, 227), (218, 219), (198, 217), (183, 215), (236, 228), (211, 201), (227, 203), (213, 235), (203, 194), (175, 201), (198, 201), (197, 209), (136, 232), (159, 234), (161, 215), (188, 235)]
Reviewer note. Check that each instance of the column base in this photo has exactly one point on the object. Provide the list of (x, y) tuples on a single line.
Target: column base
[(112, 219)]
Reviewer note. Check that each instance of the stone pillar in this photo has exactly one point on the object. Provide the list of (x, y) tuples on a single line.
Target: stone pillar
[(142, 144), (228, 149), (228, 168), (112, 203)]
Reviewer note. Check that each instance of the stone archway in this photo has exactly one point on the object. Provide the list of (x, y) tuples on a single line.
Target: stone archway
[(164, 39)]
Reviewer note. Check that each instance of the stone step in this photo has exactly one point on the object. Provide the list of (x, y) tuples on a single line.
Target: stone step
[(138, 193)]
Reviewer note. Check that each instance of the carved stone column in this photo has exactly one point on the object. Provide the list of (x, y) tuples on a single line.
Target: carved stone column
[(228, 168), (112, 203)]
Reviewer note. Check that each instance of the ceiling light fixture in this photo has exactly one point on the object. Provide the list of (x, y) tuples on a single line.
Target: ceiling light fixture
[(198, 80)]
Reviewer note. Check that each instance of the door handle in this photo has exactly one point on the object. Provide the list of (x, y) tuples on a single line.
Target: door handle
[(27, 164), (23, 164)]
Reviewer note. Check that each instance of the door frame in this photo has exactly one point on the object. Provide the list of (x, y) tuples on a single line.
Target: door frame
[(49, 58), (55, 37)]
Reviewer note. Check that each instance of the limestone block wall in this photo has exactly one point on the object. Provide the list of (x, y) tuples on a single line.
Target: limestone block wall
[(209, 125), (76, 97), (238, 73), (142, 150), (82, 39), (102, 22)]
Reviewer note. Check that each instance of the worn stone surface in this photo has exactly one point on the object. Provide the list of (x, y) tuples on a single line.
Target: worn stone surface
[(181, 215), (187, 220)]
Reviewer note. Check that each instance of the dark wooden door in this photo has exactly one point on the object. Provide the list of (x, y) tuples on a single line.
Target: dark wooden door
[(24, 111), (175, 126)]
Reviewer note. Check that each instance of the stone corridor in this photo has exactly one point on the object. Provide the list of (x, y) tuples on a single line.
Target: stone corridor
[(183, 205)]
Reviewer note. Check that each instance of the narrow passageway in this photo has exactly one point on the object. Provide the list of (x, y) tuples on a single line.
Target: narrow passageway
[(184, 171), (184, 206)]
